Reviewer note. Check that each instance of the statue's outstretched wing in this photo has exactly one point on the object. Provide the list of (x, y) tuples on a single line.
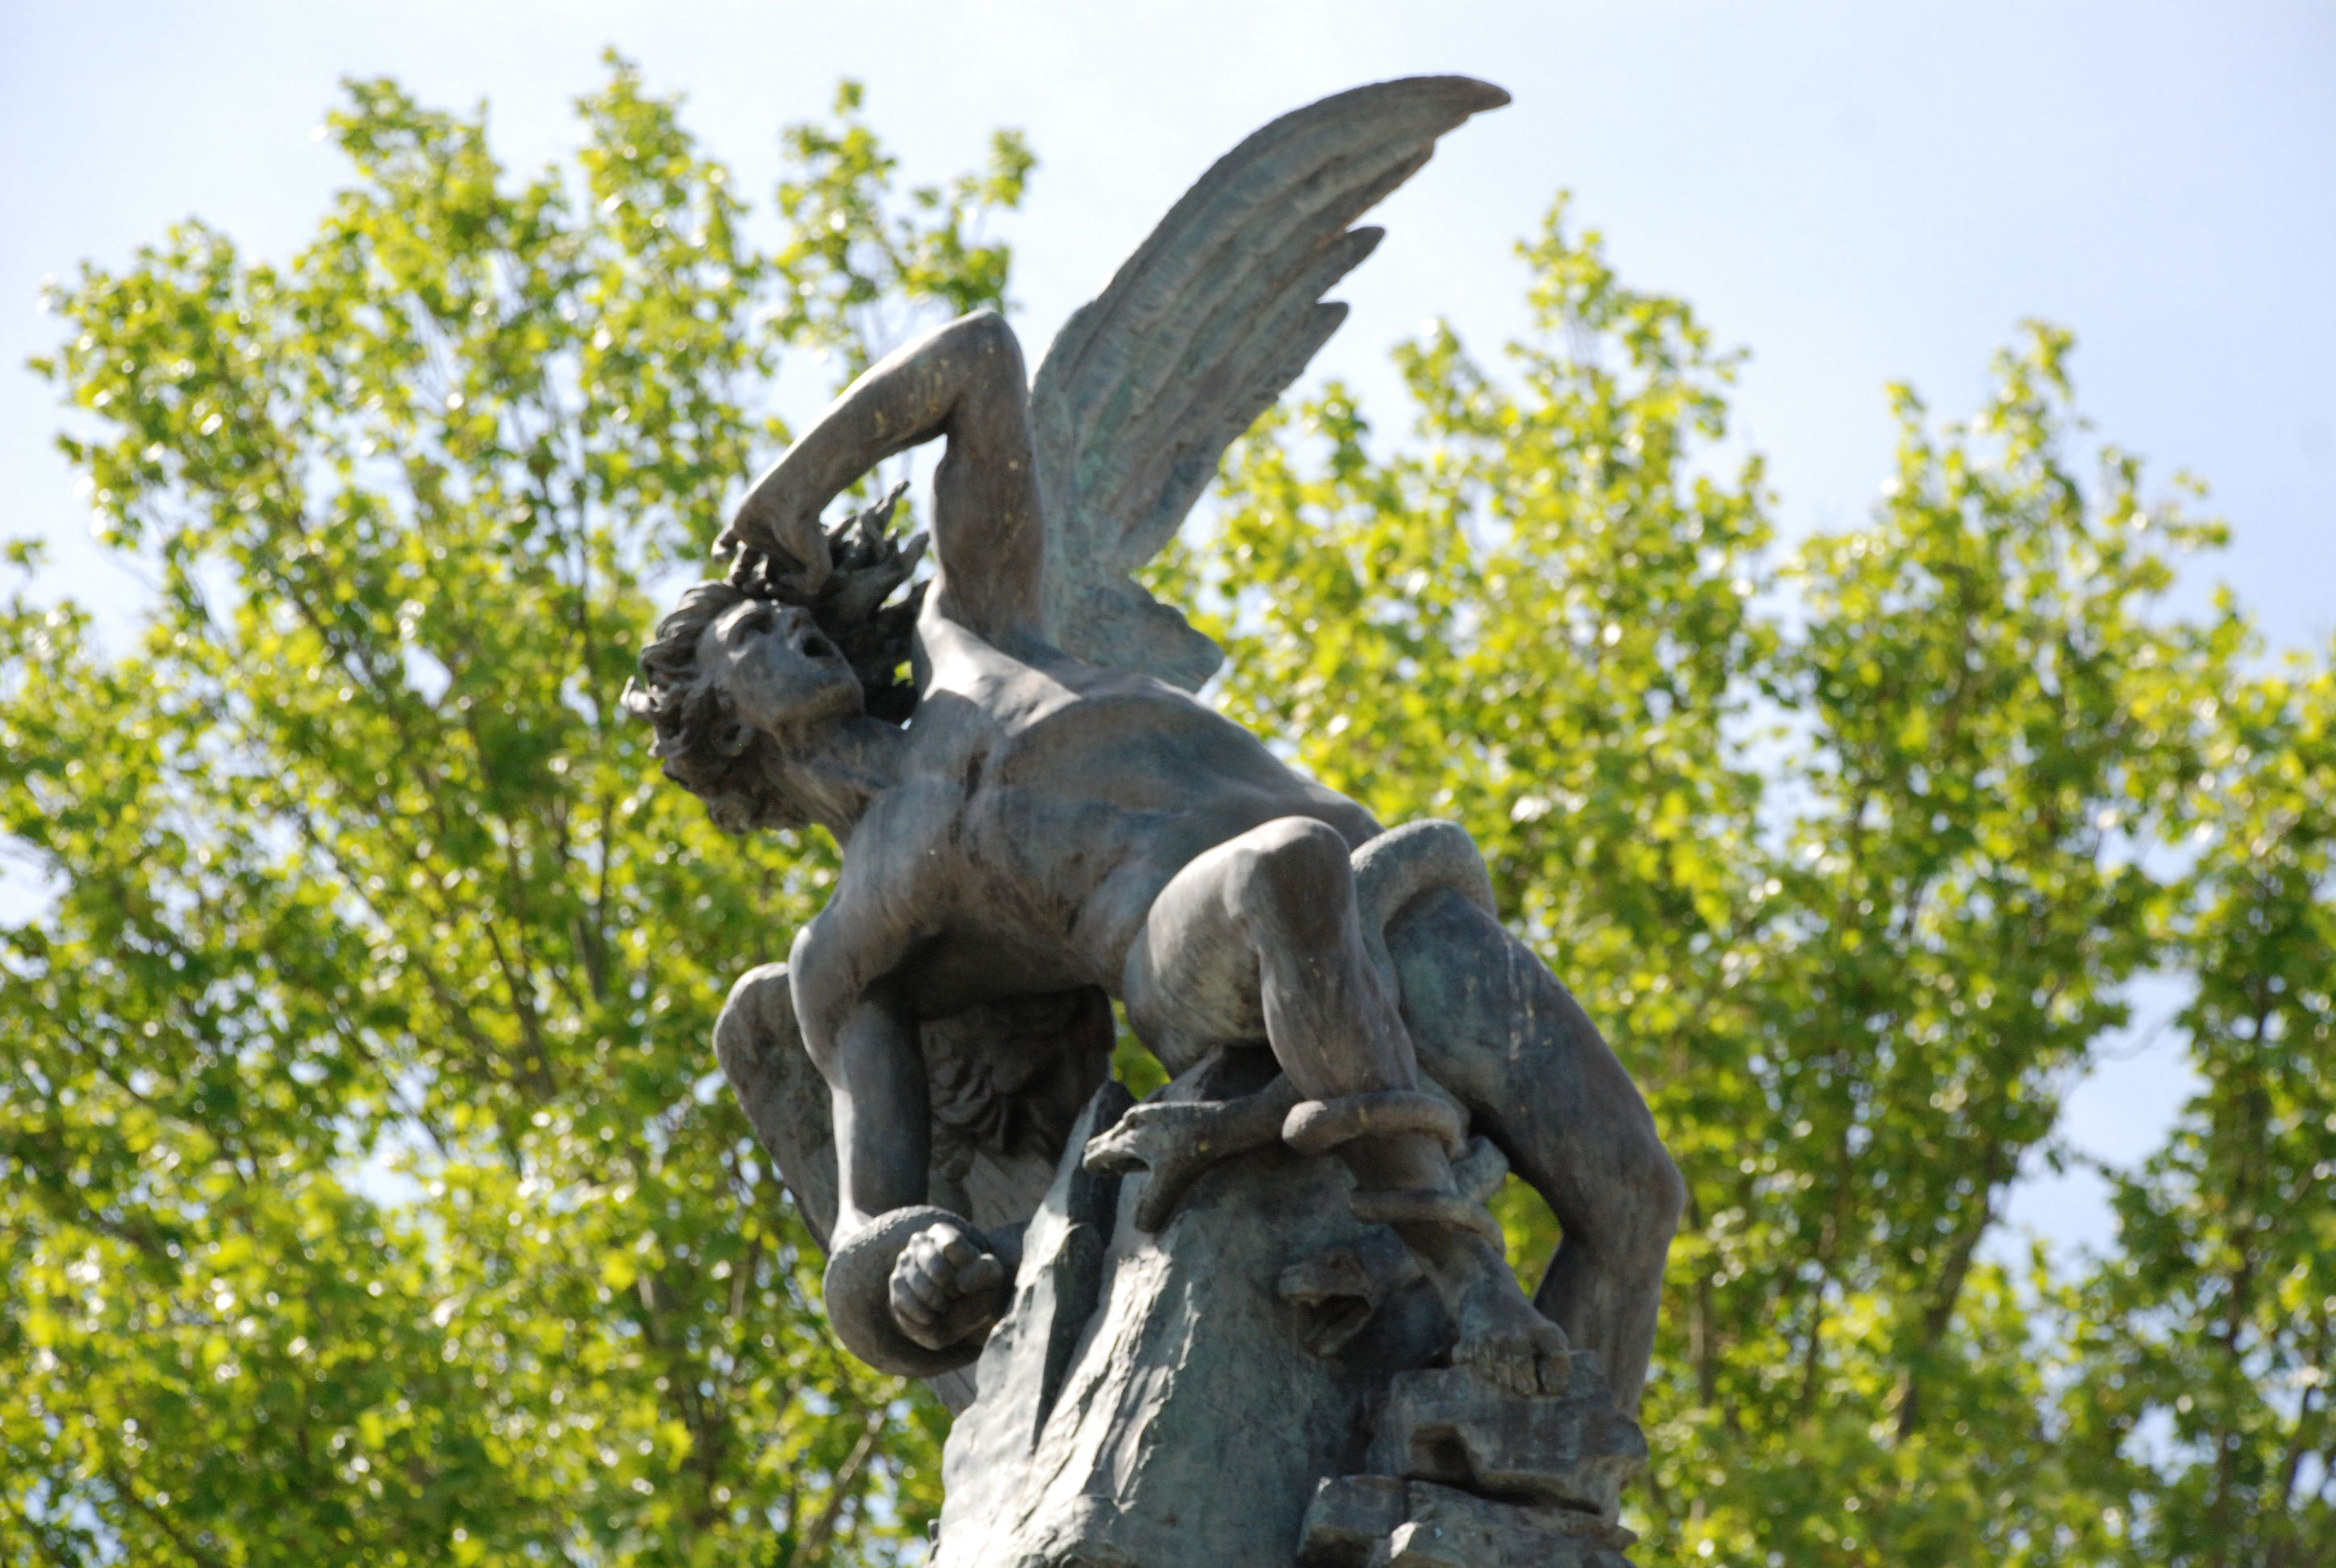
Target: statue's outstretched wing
[(1211, 319)]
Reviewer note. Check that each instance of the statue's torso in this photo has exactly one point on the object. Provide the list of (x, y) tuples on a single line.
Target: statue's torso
[(1046, 804)]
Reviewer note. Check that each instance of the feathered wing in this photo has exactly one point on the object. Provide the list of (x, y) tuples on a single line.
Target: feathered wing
[(1209, 322)]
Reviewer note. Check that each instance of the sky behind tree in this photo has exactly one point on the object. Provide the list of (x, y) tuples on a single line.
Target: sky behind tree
[(1855, 194)]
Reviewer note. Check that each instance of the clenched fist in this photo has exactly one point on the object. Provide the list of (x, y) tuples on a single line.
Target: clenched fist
[(946, 1286)]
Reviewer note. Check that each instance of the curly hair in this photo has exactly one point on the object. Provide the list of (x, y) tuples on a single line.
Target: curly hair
[(702, 742)]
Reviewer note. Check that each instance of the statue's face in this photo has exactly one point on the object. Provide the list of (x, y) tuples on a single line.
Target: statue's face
[(782, 674)]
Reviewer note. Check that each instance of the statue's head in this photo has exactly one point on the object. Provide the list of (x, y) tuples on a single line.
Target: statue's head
[(752, 674)]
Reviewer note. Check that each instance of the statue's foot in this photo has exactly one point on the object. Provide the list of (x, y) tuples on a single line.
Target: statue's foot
[(1503, 1340), (1176, 1140)]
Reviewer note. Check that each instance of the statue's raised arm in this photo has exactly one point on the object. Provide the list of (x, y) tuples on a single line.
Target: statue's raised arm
[(961, 382), (1197, 334)]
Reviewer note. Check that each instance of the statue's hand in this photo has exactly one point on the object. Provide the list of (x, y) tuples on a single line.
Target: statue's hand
[(774, 543), (947, 1286)]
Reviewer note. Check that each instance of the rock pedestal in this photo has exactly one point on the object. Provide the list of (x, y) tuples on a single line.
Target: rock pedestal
[(1389, 1522), (1255, 1387)]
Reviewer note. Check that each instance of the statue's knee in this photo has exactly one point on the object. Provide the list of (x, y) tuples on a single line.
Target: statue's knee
[(759, 1017), (1296, 873)]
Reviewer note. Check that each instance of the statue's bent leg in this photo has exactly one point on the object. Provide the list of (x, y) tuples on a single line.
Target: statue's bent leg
[(1260, 938), (1257, 942), (1492, 1025)]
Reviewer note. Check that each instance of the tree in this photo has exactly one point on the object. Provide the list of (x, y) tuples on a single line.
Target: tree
[(2203, 1348), (367, 1192), (1851, 849), (366, 1195)]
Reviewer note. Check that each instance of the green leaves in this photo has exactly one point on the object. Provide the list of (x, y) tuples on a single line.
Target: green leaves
[(854, 269), (365, 1196), (1852, 852), (363, 1191), (2203, 1405)]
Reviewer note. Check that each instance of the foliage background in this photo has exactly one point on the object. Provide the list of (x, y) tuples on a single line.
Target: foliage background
[(367, 1196)]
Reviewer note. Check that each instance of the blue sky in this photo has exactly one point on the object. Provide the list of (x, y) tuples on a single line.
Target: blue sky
[(1856, 193)]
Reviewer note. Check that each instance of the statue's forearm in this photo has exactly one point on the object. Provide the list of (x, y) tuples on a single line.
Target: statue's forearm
[(882, 1120), (900, 401), (964, 381)]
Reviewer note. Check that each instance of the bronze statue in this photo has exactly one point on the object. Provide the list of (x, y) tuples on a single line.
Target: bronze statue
[(1041, 815)]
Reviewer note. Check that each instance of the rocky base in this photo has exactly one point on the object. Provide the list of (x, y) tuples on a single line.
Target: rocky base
[(1573, 1450), (1388, 1522), (1467, 1476), (1256, 1385)]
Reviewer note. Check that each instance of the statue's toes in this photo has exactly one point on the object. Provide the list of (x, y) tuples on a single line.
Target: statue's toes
[(1520, 1369), (1509, 1344), (1174, 1165)]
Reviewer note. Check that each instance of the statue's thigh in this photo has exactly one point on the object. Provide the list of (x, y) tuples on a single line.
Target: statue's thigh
[(1191, 979)]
